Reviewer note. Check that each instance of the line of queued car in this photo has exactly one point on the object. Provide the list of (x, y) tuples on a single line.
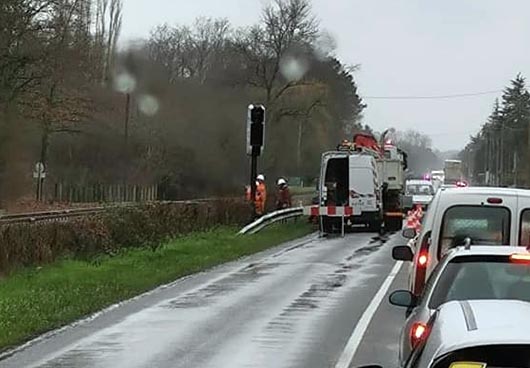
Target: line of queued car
[(468, 297)]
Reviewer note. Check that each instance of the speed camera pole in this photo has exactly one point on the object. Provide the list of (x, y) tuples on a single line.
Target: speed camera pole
[(255, 143)]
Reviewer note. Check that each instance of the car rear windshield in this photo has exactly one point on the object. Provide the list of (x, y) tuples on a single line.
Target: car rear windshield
[(490, 356), (485, 225), (420, 189), (481, 277)]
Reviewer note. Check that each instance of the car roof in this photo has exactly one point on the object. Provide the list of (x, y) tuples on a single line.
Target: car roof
[(485, 250), (419, 181), (462, 324), (491, 191)]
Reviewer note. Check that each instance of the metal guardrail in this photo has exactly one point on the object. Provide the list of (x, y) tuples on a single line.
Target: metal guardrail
[(50, 215), (65, 214), (270, 219), (69, 213)]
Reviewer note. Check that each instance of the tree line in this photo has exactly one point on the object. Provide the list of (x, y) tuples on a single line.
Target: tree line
[(498, 153), (171, 109)]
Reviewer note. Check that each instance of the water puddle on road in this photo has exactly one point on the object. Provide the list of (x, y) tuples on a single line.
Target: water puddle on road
[(209, 294)]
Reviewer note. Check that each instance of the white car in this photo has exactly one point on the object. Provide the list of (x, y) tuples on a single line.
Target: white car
[(422, 191), (474, 334), (486, 216), (465, 273)]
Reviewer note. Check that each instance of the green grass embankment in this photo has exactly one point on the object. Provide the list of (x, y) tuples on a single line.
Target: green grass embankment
[(39, 299)]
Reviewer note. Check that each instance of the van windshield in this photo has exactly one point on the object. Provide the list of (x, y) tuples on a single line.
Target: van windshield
[(484, 225)]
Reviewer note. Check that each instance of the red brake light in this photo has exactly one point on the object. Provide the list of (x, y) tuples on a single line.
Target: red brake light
[(417, 332), (520, 258), (493, 200), (423, 258), (421, 265)]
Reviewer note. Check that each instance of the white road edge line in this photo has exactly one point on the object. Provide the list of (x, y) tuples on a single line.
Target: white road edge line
[(354, 341)]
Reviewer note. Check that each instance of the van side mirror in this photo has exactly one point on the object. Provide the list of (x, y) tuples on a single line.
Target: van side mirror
[(402, 253), (408, 233), (402, 298)]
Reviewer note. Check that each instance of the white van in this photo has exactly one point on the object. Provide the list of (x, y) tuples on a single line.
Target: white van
[(349, 187), (485, 216)]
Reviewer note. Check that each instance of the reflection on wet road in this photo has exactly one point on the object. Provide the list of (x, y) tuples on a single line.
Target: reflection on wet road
[(294, 307)]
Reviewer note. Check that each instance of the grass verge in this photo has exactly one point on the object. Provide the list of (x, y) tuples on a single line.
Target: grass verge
[(36, 300)]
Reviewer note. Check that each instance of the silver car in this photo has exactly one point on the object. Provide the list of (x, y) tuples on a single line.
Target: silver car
[(465, 273), (475, 334)]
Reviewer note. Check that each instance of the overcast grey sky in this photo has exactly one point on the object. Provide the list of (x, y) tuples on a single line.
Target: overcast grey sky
[(404, 47)]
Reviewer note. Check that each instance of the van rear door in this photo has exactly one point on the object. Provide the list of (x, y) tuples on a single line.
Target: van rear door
[(363, 184), (334, 179)]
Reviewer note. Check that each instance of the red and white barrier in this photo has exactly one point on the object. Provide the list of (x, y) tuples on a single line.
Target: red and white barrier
[(328, 211)]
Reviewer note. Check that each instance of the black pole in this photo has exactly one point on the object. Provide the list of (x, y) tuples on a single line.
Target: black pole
[(126, 121), (125, 145), (253, 174), (37, 192)]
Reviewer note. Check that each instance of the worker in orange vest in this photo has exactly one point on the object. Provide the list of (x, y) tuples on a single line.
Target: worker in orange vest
[(283, 195), (261, 195)]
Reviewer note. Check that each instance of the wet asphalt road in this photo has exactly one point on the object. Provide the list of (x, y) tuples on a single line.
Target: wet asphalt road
[(293, 306)]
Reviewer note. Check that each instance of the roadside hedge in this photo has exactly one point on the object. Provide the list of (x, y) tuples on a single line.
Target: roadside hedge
[(148, 225)]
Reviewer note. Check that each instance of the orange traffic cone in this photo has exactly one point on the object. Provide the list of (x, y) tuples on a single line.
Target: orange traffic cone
[(410, 220)]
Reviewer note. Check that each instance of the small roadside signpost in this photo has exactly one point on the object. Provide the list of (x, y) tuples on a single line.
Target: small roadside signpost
[(39, 173)]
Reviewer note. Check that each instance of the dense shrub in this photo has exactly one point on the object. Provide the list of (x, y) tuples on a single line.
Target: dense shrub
[(148, 225)]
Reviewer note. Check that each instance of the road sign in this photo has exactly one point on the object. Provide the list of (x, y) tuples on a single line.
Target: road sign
[(39, 172), (39, 167)]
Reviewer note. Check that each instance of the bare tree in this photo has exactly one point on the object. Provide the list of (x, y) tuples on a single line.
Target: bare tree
[(169, 47), (208, 38), (108, 25), (289, 29)]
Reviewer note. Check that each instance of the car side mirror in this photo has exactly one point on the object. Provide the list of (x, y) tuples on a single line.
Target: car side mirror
[(402, 298), (402, 253), (408, 233)]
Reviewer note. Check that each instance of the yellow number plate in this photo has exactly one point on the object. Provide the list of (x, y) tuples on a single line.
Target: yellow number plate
[(468, 365)]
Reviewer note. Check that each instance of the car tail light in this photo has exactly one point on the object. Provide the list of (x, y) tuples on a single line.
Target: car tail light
[(422, 259), (421, 264), (494, 200), (520, 258), (417, 333)]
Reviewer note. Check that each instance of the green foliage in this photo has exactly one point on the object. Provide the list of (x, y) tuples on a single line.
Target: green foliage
[(147, 225), (35, 300), (498, 154)]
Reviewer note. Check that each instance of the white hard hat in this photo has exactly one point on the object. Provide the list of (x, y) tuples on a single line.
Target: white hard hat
[(281, 181), (261, 177)]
